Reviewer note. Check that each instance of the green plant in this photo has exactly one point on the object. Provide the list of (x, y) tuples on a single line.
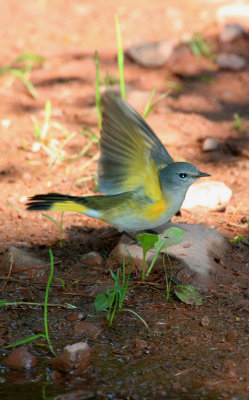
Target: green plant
[(206, 78), (147, 241), (112, 300), (45, 316), (238, 124), (120, 58), (168, 238), (21, 67), (173, 85), (188, 294), (239, 239), (172, 236), (60, 227), (52, 138), (97, 90), (199, 46), (149, 105)]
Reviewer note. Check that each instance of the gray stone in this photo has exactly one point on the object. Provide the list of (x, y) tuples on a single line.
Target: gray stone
[(199, 259), (151, 55), (210, 144), (23, 261), (74, 358), (231, 32), (230, 61)]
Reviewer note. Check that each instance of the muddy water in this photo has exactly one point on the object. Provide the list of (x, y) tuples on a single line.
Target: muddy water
[(190, 353)]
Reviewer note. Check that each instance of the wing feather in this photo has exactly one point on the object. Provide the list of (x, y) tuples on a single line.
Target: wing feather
[(131, 153)]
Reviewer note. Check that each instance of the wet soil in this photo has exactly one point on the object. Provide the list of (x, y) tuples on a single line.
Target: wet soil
[(191, 352)]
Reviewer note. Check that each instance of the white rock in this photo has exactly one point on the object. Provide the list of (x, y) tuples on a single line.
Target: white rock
[(212, 195), (210, 144), (235, 12), (230, 61)]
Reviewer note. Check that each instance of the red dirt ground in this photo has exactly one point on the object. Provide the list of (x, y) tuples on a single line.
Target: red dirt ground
[(67, 34)]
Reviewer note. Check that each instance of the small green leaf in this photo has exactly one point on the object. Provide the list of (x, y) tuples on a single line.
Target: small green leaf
[(188, 294), (147, 240), (101, 302), (172, 236)]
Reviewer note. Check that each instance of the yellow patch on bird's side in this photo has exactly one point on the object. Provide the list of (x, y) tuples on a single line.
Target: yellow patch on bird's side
[(154, 211), (68, 206), (143, 172), (152, 188)]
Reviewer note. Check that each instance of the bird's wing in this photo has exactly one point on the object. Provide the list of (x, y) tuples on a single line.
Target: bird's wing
[(131, 154)]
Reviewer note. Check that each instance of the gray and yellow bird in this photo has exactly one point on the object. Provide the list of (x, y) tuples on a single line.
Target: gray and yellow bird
[(143, 187)]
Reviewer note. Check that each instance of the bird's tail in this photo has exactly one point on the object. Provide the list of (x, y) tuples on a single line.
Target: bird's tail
[(57, 202)]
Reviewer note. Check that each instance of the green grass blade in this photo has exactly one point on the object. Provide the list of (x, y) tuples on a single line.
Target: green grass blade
[(120, 59), (34, 58), (51, 219), (97, 90), (138, 316), (26, 340), (147, 108), (19, 74), (46, 301)]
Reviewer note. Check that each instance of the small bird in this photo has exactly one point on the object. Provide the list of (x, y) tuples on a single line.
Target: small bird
[(142, 185)]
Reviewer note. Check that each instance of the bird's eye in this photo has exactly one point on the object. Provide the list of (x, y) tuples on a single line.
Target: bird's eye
[(183, 175)]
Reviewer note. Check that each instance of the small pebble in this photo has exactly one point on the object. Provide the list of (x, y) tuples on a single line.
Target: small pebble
[(20, 359), (93, 258), (151, 55), (23, 199), (205, 321), (230, 61), (75, 316), (87, 329), (231, 336), (210, 144), (231, 32), (5, 123)]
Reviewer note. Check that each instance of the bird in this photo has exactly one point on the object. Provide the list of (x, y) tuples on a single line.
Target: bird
[(142, 187)]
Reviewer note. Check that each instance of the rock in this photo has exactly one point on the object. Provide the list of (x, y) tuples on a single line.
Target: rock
[(233, 13), (184, 63), (200, 259), (75, 357), (205, 321), (231, 32), (80, 394), (210, 144), (93, 258), (20, 359), (23, 260), (87, 329), (230, 61), (151, 55), (75, 316), (231, 336), (212, 195)]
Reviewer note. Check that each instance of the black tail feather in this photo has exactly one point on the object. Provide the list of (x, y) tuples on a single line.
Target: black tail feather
[(45, 201)]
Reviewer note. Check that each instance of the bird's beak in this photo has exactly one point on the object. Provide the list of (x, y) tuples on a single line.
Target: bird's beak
[(202, 174)]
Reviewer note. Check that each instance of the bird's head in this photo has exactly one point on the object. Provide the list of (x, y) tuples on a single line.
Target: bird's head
[(178, 176)]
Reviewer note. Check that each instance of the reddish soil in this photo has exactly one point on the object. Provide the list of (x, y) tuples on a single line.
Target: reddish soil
[(185, 358)]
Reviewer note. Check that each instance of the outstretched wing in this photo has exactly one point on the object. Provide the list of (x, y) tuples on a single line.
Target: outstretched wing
[(131, 153)]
